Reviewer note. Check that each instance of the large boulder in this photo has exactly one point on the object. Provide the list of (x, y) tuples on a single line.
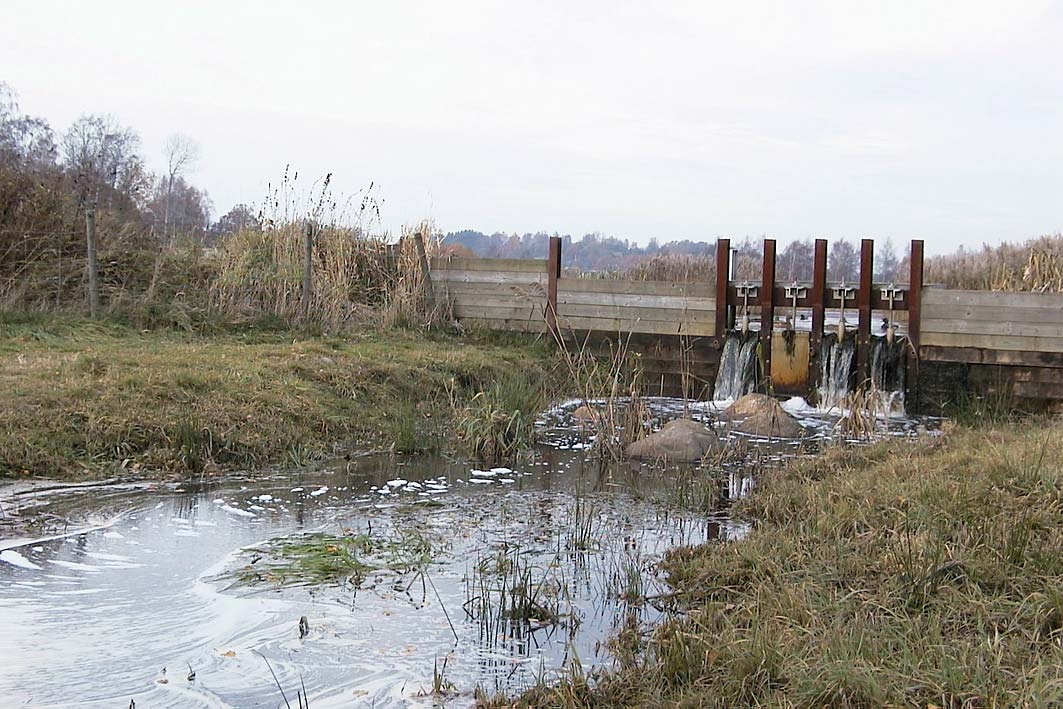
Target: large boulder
[(680, 440), (761, 415)]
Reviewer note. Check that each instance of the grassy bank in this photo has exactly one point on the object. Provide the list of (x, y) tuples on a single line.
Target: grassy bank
[(82, 397), (903, 574)]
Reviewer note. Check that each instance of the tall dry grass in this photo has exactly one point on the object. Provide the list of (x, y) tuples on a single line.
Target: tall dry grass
[(1035, 266)]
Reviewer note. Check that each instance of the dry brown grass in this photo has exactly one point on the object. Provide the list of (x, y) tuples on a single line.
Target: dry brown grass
[(906, 573), (1035, 265)]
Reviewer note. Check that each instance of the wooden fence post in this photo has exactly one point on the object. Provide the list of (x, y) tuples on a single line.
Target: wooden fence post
[(915, 301), (863, 306), (723, 281), (553, 273), (426, 271), (819, 312), (308, 266), (90, 248), (767, 307)]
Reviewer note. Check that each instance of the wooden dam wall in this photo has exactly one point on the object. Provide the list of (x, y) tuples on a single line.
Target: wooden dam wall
[(960, 343)]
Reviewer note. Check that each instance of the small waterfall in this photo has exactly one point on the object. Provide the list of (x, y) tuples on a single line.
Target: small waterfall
[(836, 369), (888, 361), (738, 367)]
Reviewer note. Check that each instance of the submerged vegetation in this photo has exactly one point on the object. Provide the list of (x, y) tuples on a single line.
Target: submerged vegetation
[(895, 574), (320, 558)]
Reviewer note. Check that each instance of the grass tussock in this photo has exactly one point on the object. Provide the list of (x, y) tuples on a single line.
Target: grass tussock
[(85, 397), (898, 574)]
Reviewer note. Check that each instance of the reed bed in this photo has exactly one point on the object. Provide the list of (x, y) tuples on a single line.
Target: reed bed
[(1034, 266)]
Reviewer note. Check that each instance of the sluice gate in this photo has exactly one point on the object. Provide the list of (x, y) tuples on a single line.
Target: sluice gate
[(821, 339)]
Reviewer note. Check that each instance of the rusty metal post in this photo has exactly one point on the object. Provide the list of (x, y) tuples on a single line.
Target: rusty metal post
[(819, 311), (723, 280), (553, 273), (915, 301), (767, 307), (863, 307)]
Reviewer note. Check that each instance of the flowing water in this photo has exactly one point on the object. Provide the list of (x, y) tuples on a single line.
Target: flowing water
[(738, 367), (128, 588)]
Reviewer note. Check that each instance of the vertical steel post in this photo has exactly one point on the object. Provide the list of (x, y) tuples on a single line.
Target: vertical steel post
[(863, 306), (818, 297), (723, 280), (553, 273), (915, 301), (767, 307)]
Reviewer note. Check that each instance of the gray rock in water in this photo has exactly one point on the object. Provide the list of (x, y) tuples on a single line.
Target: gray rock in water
[(681, 440), (585, 416), (761, 415)]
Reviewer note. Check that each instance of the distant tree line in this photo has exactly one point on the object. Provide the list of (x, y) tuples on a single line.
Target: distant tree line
[(598, 253)]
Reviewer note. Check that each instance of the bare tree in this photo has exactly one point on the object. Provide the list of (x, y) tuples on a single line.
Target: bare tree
[(181, 154), (102, 156), (843, 262)]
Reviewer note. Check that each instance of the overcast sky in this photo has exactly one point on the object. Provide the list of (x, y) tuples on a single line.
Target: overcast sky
[(937, 120)]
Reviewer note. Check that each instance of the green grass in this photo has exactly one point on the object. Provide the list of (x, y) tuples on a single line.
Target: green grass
[(906, 573), (82, 397), (316, 559)]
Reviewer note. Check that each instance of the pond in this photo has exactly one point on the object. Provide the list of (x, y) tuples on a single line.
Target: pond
[(177, 594)]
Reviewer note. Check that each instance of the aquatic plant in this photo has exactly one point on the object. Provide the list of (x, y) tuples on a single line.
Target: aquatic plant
[(499, 421), (319, 558)]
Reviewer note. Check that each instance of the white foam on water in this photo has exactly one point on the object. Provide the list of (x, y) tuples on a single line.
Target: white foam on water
[(318, 492), (237, 511), (797, 405), (10, 556)]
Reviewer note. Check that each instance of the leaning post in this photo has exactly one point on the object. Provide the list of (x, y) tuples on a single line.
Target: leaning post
[(553, 273), (426, 271), (863, 306), (90, 249), (767, 307)]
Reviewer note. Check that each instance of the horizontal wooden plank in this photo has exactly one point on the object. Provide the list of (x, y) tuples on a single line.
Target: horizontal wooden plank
[(1002, 342), (499, 312), (508, 300), (630, 287), (991, 327), (989, 313), (507, 277), (1001, 372), (948, 296), (1038, 390), (624, 325), (635, 301), (511, 325), (516, 290), (610, 311), (976, 355), (457, 263)]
